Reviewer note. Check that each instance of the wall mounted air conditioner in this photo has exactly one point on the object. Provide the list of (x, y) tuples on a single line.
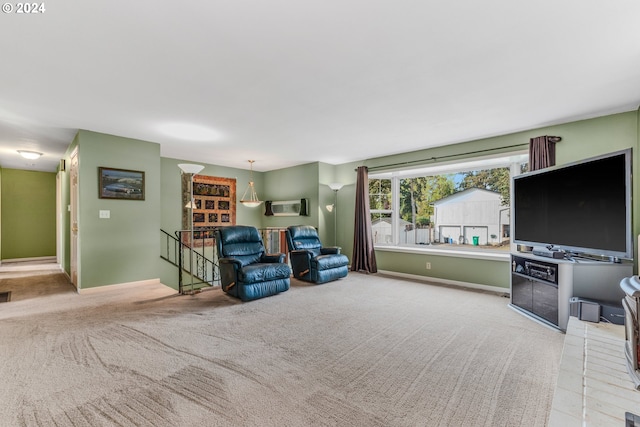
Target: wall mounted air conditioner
[(286, 208)]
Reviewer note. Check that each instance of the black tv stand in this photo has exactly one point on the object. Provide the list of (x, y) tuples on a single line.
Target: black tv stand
[(541, 287)]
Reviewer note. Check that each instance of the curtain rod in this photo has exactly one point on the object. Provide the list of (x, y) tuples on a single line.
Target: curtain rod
[(443, 157)]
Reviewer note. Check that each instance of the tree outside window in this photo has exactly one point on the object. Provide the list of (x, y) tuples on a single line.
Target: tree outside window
[(461, 209)]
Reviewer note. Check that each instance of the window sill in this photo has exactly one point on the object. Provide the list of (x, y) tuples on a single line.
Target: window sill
[(459, 253)]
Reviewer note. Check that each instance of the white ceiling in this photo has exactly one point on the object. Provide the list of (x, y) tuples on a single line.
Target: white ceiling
[(287, 82)]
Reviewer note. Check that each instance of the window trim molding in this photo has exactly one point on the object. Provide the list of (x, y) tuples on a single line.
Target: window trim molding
[(487, 254), (509, 159)]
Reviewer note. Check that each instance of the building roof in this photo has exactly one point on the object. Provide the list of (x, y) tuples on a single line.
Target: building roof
[(467, 194)]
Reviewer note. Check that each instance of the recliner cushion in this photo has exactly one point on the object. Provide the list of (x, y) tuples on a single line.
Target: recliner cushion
[(326, 262), (323, 276), (243, 243), (303, 237), (263, 272), (307, 244), (263, 289)]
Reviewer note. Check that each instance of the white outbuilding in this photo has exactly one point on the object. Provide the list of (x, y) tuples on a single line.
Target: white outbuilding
[(471, 216)]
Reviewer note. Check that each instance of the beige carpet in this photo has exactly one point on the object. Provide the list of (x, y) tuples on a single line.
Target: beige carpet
[(363, 351), (24, 285)]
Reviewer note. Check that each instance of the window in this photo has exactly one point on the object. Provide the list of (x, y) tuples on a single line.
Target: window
[(455, 206), (381, 212)]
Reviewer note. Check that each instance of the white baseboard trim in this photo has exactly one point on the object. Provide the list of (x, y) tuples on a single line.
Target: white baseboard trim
[(25, 266), (496, 289), (121, 286), (42, 259)]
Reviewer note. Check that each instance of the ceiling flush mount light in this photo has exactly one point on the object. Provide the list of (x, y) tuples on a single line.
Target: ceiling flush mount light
[(252, 201), (31, 155), (190, 131)]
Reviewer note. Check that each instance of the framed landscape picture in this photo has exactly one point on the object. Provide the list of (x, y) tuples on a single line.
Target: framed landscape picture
[(120, 184)]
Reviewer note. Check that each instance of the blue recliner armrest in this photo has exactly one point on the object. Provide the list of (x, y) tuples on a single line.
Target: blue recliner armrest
[(229, 268), (273, 258), (301, 262), (330, 250)]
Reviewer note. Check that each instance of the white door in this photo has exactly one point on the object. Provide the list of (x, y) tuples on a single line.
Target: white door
[(73, 171)]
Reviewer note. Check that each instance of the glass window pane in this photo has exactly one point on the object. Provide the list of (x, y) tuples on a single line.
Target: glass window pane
[(379, 194), (410, 234), (381, 228), (467, 210)]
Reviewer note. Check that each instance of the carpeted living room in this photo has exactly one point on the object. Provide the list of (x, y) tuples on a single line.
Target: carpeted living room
[(301, 213), (366, 350)]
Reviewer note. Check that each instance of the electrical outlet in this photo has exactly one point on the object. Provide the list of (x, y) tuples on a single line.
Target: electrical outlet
[(428, 265)]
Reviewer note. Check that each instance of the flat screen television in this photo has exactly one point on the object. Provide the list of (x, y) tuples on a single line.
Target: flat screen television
[(582, 208)]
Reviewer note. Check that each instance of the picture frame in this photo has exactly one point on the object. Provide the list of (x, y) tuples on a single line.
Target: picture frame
[(215, 206), (123, 184)]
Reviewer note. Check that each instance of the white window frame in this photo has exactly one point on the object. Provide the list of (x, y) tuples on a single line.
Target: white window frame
[(512, 160)]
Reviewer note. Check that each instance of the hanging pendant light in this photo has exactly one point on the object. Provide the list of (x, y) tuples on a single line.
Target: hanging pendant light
[(252, 201)]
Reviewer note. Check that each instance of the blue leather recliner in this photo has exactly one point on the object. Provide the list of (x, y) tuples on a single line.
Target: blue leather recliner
[(310, 261), (246, 271)]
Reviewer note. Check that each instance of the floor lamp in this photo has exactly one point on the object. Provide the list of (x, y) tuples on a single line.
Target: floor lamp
[(335, 186), (191, 169)]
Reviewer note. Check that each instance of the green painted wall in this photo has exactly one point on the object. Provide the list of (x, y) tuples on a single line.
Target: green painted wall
[(124, 248), (28, 212), (293, 184), (309, 181), (327, 220), (0, 214), (580, 140), (445, 267)]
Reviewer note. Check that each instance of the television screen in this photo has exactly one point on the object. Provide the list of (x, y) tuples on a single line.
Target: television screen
[(583, 208)]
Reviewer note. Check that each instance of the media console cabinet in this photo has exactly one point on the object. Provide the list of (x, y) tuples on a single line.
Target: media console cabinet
[(541, 287)]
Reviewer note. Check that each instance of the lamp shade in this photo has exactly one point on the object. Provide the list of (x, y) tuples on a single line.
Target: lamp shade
[(336, 186), (190, 168), (251, 204)]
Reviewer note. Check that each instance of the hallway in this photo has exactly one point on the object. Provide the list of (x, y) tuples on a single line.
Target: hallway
[(24, 280)]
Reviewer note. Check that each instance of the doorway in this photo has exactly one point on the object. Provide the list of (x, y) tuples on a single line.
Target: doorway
[(75, 231)]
